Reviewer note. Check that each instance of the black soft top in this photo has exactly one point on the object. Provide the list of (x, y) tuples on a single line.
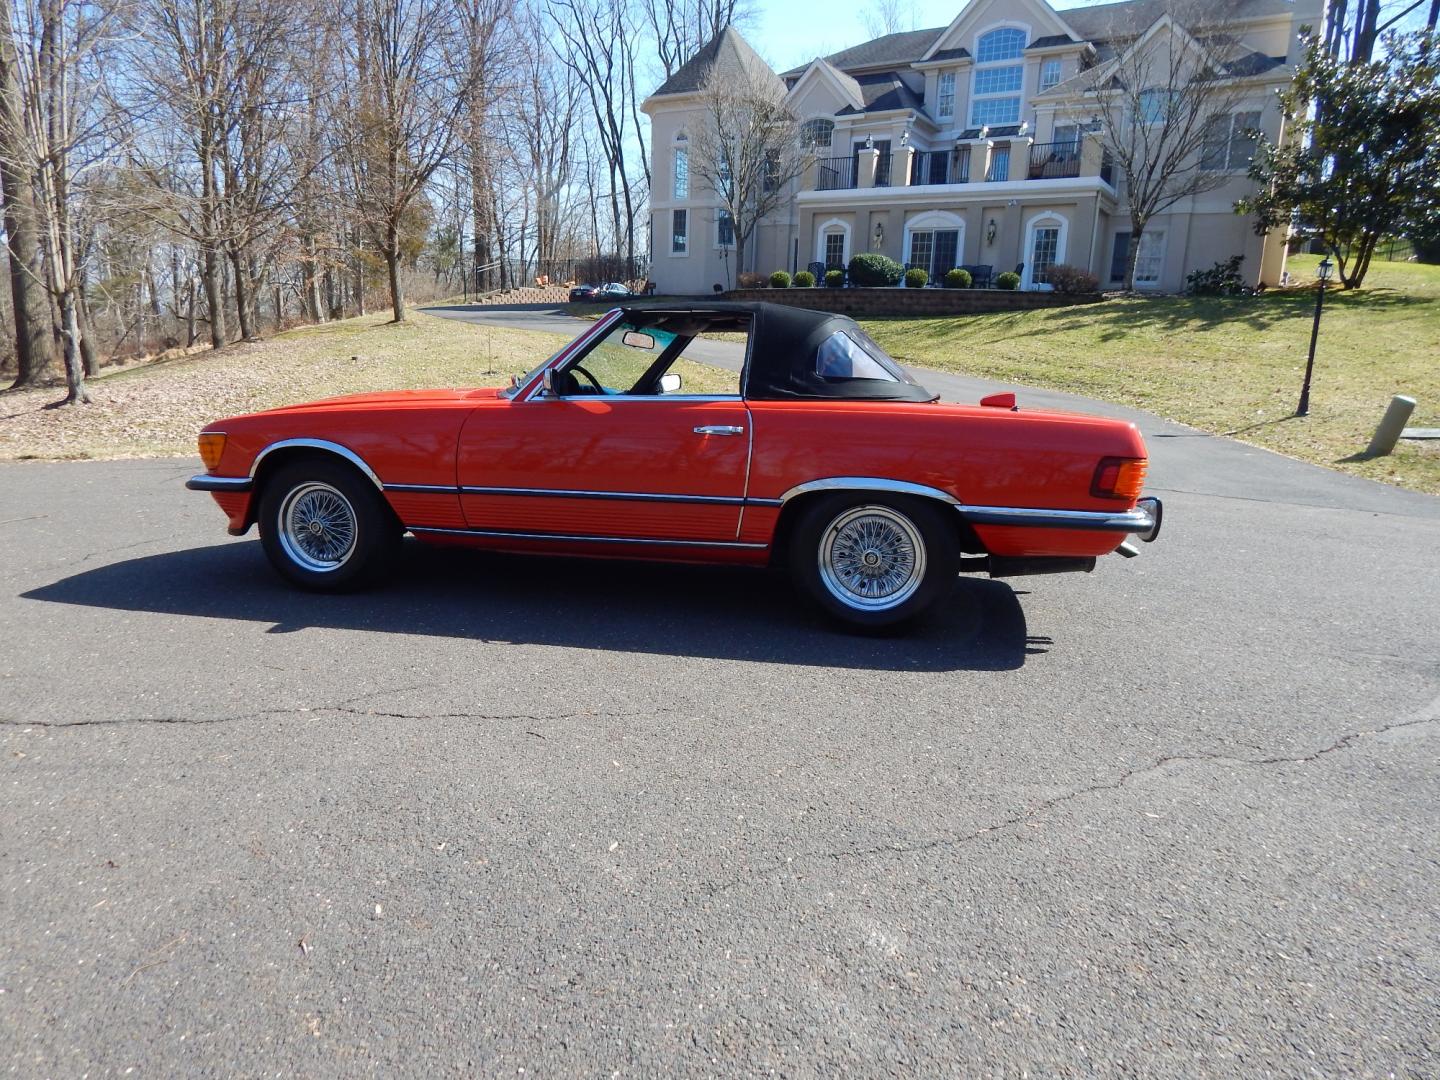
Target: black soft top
[(784, 342)]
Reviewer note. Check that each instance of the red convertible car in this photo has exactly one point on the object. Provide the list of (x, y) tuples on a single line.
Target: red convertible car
[(820, 454)]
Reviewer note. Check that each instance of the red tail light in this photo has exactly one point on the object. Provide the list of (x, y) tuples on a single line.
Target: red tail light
[(1119, 478)]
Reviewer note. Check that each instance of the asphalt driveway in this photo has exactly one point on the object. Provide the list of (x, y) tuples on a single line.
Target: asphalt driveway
[(1178, 817)]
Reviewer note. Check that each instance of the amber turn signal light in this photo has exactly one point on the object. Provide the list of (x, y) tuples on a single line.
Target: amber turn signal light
[(1119, 478), (212, 445)]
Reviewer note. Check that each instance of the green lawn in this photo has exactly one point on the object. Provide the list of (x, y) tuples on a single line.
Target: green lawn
[(1231, 365)]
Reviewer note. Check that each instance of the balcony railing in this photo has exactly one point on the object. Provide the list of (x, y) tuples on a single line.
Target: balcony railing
[(1015, 161), (941, 167), (1054, 160), (834, 174)]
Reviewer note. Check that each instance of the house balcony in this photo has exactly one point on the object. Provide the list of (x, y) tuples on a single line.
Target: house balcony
[(1019, 160)]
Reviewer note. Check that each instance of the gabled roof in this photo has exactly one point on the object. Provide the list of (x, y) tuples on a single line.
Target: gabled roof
[(727, 52), (899, 48), (1055, 18)]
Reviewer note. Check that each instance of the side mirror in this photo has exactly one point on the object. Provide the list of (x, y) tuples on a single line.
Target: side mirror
[(670, 383)]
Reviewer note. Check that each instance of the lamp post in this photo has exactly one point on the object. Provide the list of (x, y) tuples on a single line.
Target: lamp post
[(1325, 267)]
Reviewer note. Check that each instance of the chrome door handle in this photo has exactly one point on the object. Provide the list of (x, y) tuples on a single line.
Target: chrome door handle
[(719, 429)]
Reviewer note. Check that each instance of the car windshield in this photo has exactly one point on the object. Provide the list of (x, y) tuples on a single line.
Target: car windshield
[(524, 380)]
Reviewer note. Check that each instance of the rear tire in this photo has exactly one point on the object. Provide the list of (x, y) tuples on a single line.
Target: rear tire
[(874, 561), (325, 527)]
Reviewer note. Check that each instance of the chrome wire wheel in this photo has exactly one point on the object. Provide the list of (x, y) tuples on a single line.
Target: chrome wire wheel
[(317, 527), (871, 558)]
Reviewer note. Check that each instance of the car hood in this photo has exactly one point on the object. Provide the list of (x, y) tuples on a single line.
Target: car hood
[(393, 398)]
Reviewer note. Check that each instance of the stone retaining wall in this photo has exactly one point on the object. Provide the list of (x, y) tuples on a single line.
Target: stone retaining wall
[(867, 302)]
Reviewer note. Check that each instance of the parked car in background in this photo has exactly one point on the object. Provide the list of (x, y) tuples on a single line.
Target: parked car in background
[(614, 291), (821, 455), (583, 292)]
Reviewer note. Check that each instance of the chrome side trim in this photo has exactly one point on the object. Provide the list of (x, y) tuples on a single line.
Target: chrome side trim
[(1138, 520), (566, 538), (318, 444), (443, 489), (219, 483), (625, 496), (867, 483)]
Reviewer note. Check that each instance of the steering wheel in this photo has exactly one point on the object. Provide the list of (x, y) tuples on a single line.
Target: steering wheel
[(593, 381)]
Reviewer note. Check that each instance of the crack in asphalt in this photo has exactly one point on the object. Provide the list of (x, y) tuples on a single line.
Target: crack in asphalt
[(1027, 816), (191, 721)]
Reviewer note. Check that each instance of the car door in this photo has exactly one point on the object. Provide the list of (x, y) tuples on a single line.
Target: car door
[(661, 469)]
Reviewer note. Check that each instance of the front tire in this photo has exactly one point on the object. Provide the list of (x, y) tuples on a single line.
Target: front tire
[(325, 527), (874, 561)]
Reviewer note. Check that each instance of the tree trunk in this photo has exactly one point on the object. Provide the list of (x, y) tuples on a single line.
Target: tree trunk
[(190, 315), (1132, 257), (34, 330), (242, 295), (214, 297), (392, 267), (89, 358), (34, 350), (74, 365)]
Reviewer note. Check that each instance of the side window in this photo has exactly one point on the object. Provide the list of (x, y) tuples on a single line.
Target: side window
[(619, 364), (841, 357)]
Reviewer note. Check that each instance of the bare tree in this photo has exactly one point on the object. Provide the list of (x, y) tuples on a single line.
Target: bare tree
[(599, 46), (400, 117), (681, 27), (747, 149), (888, 17), (1159, 103), (67, 130), (33, 328)]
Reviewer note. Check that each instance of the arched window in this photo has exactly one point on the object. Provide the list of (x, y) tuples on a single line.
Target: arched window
[(816, 133), (999, 77), (1006, 43), (934, 242), (1045, 237)]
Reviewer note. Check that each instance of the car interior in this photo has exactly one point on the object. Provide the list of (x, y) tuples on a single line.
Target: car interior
[(635, 358)]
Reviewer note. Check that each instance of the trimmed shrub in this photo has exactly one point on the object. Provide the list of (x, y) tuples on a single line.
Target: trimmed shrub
[(1008, 280), (916, 278), (873, 270), (959, 278), (804, 280), (779, 280), (1071, 280), (747, 280), (1222, 279), (834, 279)]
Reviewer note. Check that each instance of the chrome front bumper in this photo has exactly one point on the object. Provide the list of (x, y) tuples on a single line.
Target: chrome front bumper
[(1144, 520), (219, 483)]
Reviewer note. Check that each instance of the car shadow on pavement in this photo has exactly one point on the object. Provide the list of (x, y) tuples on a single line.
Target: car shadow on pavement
[(721, 612)]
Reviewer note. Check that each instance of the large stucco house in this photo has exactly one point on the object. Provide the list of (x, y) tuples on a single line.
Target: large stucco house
[(974, 144)]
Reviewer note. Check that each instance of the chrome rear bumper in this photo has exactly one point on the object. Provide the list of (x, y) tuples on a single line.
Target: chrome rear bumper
[(1144, 520)]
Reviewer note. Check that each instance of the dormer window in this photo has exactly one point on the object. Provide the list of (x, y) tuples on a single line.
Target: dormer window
[(1049, 74), (999, 77)]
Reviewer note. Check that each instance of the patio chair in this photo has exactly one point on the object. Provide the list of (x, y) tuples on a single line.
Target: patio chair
[(982, 275)]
